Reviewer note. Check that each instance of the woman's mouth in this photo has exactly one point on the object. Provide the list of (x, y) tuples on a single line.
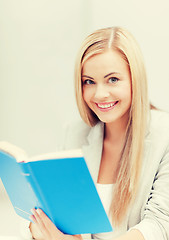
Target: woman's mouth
[(106, 106)]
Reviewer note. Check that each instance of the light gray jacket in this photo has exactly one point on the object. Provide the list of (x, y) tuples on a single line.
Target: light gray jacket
[(150, 211)]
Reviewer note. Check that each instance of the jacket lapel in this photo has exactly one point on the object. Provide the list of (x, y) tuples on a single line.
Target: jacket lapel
[(93, 150)]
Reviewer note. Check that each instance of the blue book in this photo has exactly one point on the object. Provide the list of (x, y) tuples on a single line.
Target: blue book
[(58, 183)]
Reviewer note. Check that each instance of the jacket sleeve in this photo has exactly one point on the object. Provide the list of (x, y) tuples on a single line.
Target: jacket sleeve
[(24, 229), (73, 136), (155, 222)]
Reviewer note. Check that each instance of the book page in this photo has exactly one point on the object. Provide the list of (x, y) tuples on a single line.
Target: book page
[(16, 152), (57, 155)]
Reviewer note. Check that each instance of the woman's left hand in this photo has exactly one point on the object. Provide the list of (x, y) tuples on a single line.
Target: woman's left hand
[(48, 229)]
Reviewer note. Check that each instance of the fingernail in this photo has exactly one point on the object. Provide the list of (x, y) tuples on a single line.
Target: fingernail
[(32, 210), (39, 211)]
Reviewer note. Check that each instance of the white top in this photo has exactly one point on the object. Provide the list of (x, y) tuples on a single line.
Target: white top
[(105, 192)]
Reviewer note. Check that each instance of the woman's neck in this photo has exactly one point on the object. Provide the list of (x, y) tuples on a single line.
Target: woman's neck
[(115, 131)]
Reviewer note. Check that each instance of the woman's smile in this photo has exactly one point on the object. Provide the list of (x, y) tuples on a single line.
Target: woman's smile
[(107, 106)]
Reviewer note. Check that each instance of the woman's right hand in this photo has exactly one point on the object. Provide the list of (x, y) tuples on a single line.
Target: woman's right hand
[(47, 228), (36, 233)]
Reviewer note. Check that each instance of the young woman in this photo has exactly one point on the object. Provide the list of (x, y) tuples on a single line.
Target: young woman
[(124, 139)]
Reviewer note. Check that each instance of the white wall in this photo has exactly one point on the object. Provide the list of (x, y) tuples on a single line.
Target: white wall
[(38, 43)]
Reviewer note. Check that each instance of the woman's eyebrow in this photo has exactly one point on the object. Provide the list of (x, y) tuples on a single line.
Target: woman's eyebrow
[(87, 77), (110, 74)]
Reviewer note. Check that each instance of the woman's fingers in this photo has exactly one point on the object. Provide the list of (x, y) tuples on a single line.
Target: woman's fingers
[(36, 217), (53, 230), (46, 226), (38, 220), (33, 218), (48, 229)]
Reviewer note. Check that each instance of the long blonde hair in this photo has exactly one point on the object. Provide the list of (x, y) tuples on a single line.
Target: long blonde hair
[(131, 157)]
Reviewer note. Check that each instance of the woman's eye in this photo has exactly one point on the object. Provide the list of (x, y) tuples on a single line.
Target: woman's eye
[(88, 82), (113, 80)]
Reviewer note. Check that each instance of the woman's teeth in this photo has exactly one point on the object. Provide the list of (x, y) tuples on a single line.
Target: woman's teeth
[(106, 105)]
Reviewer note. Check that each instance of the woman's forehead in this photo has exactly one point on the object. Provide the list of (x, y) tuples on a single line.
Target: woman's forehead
[(109, 61)]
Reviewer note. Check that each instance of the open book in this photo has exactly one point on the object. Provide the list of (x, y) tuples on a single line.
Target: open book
[(58, 183)]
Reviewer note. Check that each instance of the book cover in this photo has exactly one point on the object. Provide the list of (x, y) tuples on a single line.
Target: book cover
[(59, 184)]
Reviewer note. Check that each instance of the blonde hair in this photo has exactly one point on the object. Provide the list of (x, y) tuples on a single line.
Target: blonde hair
[(131, 157)]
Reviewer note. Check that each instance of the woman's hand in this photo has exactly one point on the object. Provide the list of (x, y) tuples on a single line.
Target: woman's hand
[(48, 229)]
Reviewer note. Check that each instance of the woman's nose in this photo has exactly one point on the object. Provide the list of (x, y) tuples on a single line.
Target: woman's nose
[(102, 92)]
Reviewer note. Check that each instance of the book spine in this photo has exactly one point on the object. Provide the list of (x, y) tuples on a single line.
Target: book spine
[(41, 201)]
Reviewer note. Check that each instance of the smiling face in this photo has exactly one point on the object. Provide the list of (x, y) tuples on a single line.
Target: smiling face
[(107, 86)]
